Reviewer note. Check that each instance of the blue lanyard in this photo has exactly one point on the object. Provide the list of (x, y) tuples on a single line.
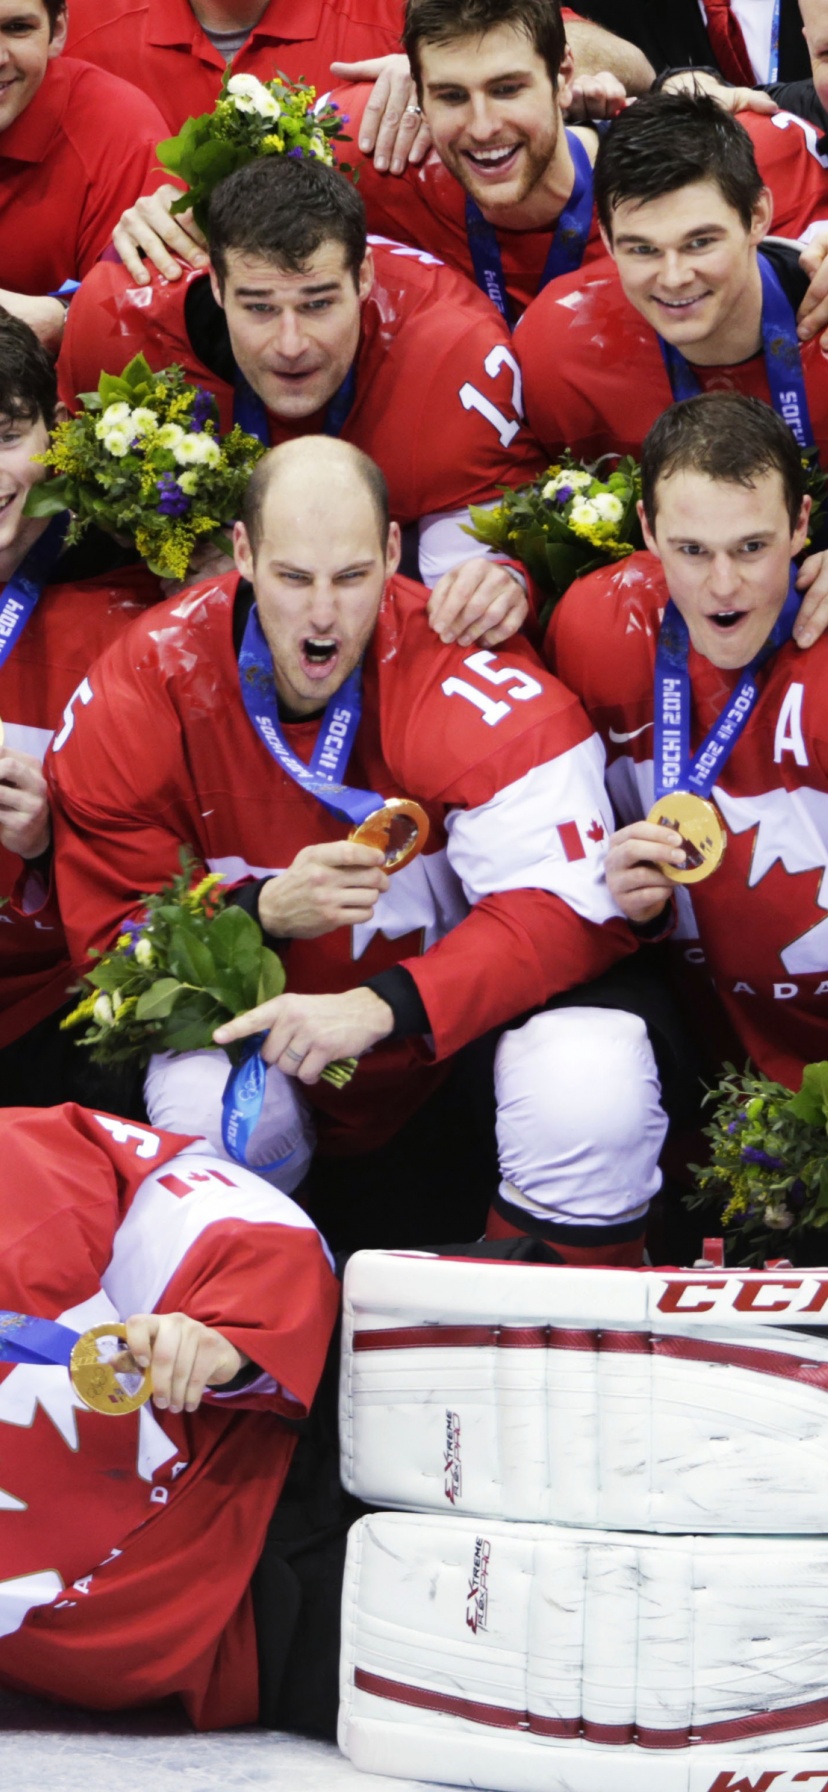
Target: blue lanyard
[(568, 243), (783, 361), (250, 411), (245, 1087), (335, 740), (20, 596), (675, 767), (24, 1339)]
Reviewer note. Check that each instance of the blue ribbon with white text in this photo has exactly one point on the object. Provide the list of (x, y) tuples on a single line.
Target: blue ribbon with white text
[(568, 243), (21, 594), (783, 362), (675, 768), (41, 1342)]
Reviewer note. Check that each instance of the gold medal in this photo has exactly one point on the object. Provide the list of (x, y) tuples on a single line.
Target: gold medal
[(100, 1376), (399, 829), (703, 834)]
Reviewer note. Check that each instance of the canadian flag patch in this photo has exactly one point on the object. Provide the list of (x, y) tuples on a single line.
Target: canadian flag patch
[(579, 841)]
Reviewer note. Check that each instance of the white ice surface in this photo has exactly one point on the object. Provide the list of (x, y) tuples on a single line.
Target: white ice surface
[(44, 1746)]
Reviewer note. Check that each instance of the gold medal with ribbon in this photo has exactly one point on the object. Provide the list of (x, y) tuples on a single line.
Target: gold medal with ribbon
[(702, 830), (104, 1375), (399, 829)]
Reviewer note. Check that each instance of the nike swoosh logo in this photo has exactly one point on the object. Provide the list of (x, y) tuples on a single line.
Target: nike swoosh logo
[(620, 738)]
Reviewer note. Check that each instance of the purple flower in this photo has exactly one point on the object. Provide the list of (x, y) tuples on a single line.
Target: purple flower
[(201, 411), (751, 1155), (346, 116), (332, 106), (564, 493), (134, 929), (297, 152), (173, 501)]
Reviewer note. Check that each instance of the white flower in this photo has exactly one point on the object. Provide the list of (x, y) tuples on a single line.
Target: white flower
[(584, 514), (553, 486), (318, 146), (609, 508), (777, 1216), (197, 451), (144, 954), (188, 483), (116, 413), (103, 1011), (117, 441), (578, 481), (143, 421), (169, 435), (250, 95)]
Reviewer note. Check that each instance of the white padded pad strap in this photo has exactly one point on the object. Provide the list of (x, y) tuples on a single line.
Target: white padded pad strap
[(613, 1398), (628, 1657)]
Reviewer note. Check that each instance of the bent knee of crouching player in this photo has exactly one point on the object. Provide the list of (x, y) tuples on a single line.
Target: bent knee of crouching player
[(580, 1127)]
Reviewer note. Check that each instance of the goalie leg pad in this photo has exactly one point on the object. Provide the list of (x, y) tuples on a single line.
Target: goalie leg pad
[(634, 1660)]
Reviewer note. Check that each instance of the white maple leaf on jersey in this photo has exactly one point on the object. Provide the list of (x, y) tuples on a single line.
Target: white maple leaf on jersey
[(792, 829)]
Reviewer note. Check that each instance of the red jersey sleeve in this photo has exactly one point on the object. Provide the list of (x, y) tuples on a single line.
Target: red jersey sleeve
[(793, 165)]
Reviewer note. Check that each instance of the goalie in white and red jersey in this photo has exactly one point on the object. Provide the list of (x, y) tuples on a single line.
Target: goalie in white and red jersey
[(128, 1545), (192, 731), (713, 719)]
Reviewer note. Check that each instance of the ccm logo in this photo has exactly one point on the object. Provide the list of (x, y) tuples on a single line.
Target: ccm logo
[(759, 1296), (777, 1780)]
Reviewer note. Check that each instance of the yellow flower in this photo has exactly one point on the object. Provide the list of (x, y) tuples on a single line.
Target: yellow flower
[(81, 1013), (199, 891), (273, 145)]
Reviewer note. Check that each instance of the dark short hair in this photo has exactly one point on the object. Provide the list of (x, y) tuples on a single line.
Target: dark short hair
[(442, 21), (28, 382), (667, 141), (260, 480), (283, 210), (727, 437), (54, 8)]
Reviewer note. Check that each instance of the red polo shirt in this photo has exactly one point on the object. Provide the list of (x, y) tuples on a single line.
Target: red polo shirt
[(160, 45), (83, 150)]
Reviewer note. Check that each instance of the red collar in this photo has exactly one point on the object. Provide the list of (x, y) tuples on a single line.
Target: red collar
[(31, 137), (173, 22)]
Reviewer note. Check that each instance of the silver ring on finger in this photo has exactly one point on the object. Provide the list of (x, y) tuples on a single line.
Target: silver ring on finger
[(416, 111), (297, 1055)]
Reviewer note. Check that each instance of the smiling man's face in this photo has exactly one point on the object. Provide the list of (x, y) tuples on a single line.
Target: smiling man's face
[(493, 114), (26, 48), (686, 261), (726, 550)]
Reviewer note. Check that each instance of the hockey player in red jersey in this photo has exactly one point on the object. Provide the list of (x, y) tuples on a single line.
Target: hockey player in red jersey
[(59, 607), (506, 905), (129, 1545), (684, 304), (301, 329), (723, 514)]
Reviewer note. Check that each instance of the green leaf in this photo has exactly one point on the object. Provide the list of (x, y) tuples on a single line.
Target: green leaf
[(272, 977), (156, 1003), (50, 497), (235, 940), (811, 1104), (191, 958)]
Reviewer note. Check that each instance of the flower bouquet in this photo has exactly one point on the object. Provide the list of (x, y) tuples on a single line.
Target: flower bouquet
[(193, 962), (566, 523), (144, 461), (768, 1163), (250, 118)]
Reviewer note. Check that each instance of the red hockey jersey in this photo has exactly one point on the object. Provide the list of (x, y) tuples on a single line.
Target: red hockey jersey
[(161, 752), (426, 205), (72, 624), (594, 375), (759, 926), (438, 399), (128, 1546)]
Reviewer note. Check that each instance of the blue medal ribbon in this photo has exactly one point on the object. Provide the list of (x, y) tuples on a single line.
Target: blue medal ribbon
[(568, 243), (245, 1087), (24, 1339), (783, 362), (250, 411), (675, 768), (773, 70), (22, 593)]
